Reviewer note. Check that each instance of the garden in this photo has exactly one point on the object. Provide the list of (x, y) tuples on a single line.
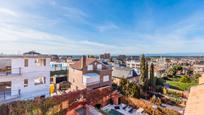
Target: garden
[(182, 81)]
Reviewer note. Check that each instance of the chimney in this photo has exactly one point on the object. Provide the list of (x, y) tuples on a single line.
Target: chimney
[(83, 61)]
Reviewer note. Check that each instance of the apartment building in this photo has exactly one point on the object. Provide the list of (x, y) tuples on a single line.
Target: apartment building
[(106, 57), (24, 76), (89, 73), (133, 64)]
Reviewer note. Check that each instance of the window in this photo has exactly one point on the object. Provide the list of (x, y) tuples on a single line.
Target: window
[(99, 66), (26, 62), (44, 62), (40, 62), (25, 82), (90, 67), (105, 78), (40, 80), (6, 86), (44, 80)]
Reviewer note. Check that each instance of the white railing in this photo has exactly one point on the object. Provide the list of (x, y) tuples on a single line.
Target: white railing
[(91, 83), (6, 95)]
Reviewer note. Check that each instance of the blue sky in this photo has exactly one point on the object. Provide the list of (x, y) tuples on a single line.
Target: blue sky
[(97, 26)]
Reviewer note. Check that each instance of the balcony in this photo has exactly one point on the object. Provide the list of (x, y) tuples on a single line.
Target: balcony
[(8, 71), (91, 79)]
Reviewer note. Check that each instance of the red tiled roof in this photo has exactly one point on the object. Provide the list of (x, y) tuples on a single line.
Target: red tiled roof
[(77, 64)]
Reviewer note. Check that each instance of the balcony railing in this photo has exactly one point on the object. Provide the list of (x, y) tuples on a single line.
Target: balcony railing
[(10, 71), (92, 83), (6, 95)]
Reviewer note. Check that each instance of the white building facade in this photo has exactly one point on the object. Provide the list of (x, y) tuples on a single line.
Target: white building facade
[(133, 64), (24, 77)]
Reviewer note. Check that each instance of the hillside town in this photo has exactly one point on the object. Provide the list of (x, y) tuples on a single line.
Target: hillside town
[(97, 85)]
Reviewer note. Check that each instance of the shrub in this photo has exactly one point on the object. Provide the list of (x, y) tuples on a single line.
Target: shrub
[(174, 93), (185, 79), (4, 109)]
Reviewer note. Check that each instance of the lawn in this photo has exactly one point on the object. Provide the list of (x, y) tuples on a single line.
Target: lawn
[(180, 86)]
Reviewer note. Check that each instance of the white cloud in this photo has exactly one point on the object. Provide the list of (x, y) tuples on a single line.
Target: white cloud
[(14, 39), (18, 32), (92, 43), (7, 12)]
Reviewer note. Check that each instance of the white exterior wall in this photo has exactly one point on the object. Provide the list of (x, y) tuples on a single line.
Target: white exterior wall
[(31, 72), (133, 64)]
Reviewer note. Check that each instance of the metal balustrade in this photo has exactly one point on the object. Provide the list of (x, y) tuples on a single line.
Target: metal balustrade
[(7, 95), (92, 83), (10, 71)]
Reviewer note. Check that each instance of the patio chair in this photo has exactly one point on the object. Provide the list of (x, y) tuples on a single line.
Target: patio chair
[(117, 107), (125, 107), (131, 110), (140, 110)]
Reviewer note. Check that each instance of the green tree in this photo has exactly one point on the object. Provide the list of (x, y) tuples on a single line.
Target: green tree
[(146, 77), (177, 67), (171, 72), (91, 56), (123, 86), (133, 90), (189, 72), (129, 88), (151, 80), (146, 70), (142, 70)]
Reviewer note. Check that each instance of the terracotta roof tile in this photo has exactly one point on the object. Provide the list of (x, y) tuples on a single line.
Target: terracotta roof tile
[(77, 64)]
